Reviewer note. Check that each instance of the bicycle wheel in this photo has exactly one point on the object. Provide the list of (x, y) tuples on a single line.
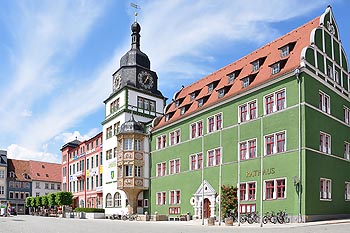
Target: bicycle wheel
[(280, 219), (273, 220), (124, 217), (243, 219), (131, 218), (250, 220), (286, 219), (138, 218), (265, 219)]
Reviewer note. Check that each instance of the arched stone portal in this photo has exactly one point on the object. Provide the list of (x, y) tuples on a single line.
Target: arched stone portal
[(209, 197)]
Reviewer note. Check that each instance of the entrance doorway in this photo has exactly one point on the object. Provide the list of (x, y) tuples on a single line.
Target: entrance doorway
[(206, 208)]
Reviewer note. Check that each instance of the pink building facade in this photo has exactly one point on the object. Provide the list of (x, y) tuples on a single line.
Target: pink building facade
[(82, 171)]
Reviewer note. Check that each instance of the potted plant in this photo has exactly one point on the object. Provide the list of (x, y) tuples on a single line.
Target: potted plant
[(228, 203)]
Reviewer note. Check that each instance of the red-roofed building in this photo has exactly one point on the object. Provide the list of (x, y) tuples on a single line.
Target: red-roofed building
[(18, 184), (274, 123), (82, 171), (46, 177)]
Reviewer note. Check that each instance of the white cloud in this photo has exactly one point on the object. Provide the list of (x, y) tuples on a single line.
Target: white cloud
[(179, 36), (71, 136), (15, 151)]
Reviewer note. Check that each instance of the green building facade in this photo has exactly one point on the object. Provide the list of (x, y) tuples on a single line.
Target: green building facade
[(274, 123)]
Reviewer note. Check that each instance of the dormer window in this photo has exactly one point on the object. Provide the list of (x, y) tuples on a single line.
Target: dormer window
[(231, 77), (255, 65), (245, 82), (275, 68), (210, 87), (192, 96), (221, 93), (182, 111), (177, 103), (200, 102), (284, 51)]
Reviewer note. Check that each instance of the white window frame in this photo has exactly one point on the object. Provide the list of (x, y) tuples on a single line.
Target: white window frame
[(216, 127), (275, 68), (322, 105), (346, 150), (197, 161), (162, 169), (324, 195), (284, 51), (274, 107), (175, 132), (248, 116), (214, 157), (173, 171), (323, 147), (275, 143), (175, 201), (246, 196), (346, 115), (274, 194), (347, 191), (247, 155), (162, 143), (197, 134), (255, 65), (162, 194), (245, 82)]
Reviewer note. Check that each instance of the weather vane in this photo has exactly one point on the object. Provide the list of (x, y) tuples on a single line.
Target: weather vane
[(136, 8)]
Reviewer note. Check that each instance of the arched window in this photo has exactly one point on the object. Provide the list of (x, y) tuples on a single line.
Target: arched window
[(109, 200), (117, 200)]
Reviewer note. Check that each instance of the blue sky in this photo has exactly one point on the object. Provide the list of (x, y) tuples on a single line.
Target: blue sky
[(57, 57)]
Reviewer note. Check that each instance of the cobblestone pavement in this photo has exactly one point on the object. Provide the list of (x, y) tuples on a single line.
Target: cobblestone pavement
[(36, 224)]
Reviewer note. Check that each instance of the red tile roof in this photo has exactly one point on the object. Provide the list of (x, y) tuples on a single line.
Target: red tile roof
[(20, 168), (44, 171), (270, 54)]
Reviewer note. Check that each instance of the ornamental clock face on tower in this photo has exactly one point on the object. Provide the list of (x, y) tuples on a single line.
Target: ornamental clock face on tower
[(145, 79), (117, 81)]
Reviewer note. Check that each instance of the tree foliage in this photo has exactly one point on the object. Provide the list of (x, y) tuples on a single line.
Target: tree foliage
[(29, 202), (44, 201), (64, 198), (51, 197), (228, 199), (38, 202)]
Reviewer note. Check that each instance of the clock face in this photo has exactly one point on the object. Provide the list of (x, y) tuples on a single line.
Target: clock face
[(145, 80), (117, 81)]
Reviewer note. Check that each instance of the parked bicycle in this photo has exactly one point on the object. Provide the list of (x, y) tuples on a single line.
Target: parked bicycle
[(253, 217), (282, 217), (269, 217), (131, 217)]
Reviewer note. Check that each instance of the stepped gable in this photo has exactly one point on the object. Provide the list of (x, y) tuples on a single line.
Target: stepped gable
[(269, 54), (44, 171)]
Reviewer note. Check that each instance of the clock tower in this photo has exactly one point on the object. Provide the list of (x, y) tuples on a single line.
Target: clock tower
[(134, 101)]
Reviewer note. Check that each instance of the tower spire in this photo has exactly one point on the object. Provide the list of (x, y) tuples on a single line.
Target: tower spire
[(135, 28)]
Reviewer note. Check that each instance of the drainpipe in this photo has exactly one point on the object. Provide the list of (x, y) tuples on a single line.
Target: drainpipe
[(261, 169), (239, 178), (220, 176), (202, 179), (297, 72)]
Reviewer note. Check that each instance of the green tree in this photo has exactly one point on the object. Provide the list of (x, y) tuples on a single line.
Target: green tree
[(52, 199), (38, 202), (228, 199), (29, 202), (64, 199), (44, 201)]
